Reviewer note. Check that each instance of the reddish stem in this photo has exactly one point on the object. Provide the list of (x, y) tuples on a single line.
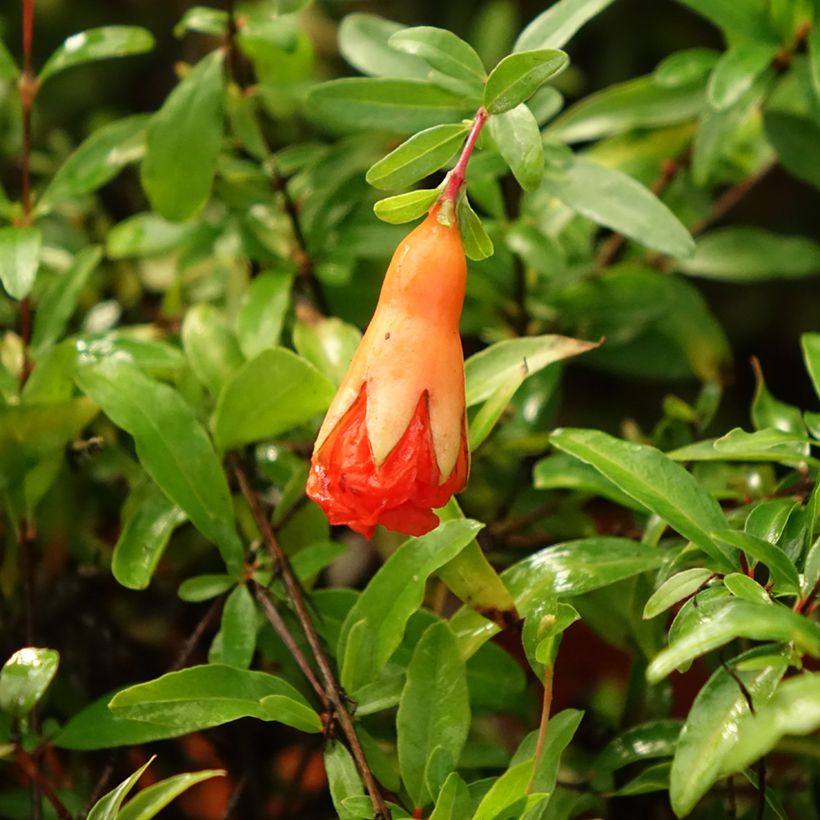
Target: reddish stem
[(459, 172), (546, 706)]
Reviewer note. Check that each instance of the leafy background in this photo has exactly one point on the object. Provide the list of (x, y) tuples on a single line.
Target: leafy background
[(184, 288)]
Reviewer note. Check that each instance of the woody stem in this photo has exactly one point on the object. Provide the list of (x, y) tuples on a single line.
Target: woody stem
[(459, 172)]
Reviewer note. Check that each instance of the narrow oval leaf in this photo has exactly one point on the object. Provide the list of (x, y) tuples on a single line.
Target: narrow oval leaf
[(270, 394), (400, 106), (19, 259), (24, 678), (453, 801), (8, 68), (734, 619), (327, 343), (782, 571), (742, 586), (557, 25), (518, 138), (518, 76), (204, 587), (108, 806), (796, 139), (343, 778), (171, 445), (477, 244), (685, 67), (238, 630), (405, 207), (363, 42), (262, 312), (97, 44), (434, 711), (746, 17), (393, 594), (616, 200), (736, 71), (183, 142), (674, 589), (211, 347), (417, 157), (144, 536), (153, 799), (203, 696)]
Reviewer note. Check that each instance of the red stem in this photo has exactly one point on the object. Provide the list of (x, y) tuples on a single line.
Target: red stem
[(459, 172)]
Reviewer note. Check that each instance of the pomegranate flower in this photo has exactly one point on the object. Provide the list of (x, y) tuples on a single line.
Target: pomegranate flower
[(393, 446)]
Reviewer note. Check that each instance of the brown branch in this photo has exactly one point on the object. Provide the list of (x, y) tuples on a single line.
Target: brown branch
[(196, 635), (235, 797), (29, 767), (333, 691), (278, 623)]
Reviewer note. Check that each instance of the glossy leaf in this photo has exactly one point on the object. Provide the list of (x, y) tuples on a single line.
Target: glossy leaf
[(145, 534), (400, 106), (395, 592), (654, 480), (24, 678), (674, 589), (487, 370), (742, 586), (59, 301), (710, 731), (97, 44), (183, 142), (19, 259), (203, 696), (405, 207), (505, 793), (203, 20), (736, 71), (518, 76), (518, 138), (270, 394), (752, 254), (154, 798), (557, 25), (654, 739), (477, 244), (810, 342), (417, 157), (237, 641), (171, 445), (108, 806), (98, 159), (617, 201), (736, 618), (211, 347), (434, 712), (782, 571), (262, 312)]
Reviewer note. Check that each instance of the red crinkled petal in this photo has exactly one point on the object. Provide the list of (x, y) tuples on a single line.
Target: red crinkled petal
[(401, 494)]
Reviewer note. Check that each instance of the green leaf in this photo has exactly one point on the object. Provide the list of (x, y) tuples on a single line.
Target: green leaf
[(656, 738), (19, 259), (657, 482), (203, 20), (735, 619), (619, 202), (98, 159), (343, 778), (767, 411), (171, 445), (557, 25), (145, 235), (400, 106), (752, 254), (518, 76), (492, 367), (238, 630), (108, 806), (417, 157), (742, 586), (262, 312), (272, 393), (8, 68), (736, 71), (710, 730), (328, 344), (211, 347), (538, 249), (810, 342), (518, 138), (487, 417), (768, 444), (782, 571), (443, 51), (406, 207), (97, 44), (674, 589), (363, 42), (152, 519), (204, 587), (203, 696), (793, 709), (453, 800), (58, 302), (153, 799), (745, 17), (183, 142), (24, 678), (504, 793), (393, 594), (434, 712), (477, 244), (654, 778), (638, 103), (685, 67), (797, 142)]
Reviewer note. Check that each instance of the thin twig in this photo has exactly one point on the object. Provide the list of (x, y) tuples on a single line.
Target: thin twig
[(278, 623), (29, 766), (235, 797), (546, 706), (333, 690), (100, 785), (196, 635)]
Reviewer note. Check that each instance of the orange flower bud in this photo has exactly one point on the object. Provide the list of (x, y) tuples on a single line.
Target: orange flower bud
[(393, 446)]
